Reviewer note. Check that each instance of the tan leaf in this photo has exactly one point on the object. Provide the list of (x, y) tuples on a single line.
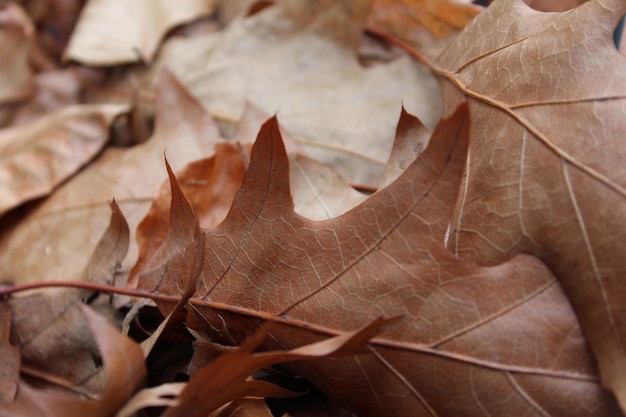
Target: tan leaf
[(545, 169), (306, 69), (55, 240), (111, 32), (16, 40), (471, 340), (37, 157)]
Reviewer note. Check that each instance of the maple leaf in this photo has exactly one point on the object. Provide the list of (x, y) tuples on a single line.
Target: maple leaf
[(456, 350), (547, 94)]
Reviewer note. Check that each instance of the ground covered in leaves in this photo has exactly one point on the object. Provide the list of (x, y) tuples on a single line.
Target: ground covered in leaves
[(312, 208)]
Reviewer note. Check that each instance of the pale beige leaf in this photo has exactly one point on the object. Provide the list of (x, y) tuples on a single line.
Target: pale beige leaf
[(306, 69), (111, 32)]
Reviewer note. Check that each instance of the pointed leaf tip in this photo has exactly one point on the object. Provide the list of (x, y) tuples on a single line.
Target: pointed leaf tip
[(267, 178)]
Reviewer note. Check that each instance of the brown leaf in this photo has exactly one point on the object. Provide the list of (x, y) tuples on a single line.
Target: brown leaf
[(547, 95), (49, 326), (123, 365), (306, 69), (55, 241), (37, 157), (16, 40), (211, 181), (472, 339), (9, 357), (227, 377), (111, 32), (423, 23)]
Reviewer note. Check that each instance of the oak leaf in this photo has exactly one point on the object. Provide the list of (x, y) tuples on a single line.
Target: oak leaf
[(472, 339), (547, 94)]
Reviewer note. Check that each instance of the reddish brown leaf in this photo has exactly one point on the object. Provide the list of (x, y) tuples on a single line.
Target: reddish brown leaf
[(547, 93), (227, 378), (472, 339)]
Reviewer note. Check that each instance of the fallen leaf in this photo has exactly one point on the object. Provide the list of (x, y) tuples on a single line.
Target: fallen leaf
[(426, 24), (547, 94), (112, 32), (55, 240), (455, 351), (227, 378), (212, 182), (9, 357), (49, 326), (16, 40), (37, 157), (122, 363), (307, 70)]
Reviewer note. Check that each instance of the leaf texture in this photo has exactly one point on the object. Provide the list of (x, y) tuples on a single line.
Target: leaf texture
[(545, 173), (464, 343)]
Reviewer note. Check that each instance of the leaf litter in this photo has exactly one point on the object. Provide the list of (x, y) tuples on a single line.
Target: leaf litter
[(520, 313)]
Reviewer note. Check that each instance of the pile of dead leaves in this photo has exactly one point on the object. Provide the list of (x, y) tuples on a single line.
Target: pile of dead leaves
[(307, 264)]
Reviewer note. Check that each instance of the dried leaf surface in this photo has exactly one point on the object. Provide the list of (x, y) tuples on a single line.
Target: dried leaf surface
[(111, 32), (455, 350), (306, 69), (37, 157), (16, 39), (545, 173), (9, 358), (55, 241), (49, 326), (227, 378), (122, 363)]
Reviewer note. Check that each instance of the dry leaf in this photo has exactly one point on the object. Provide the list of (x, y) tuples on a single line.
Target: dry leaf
[(55, 240), (39, 156), (547, 94), (111, 32), (16, 40), (49, 326), (227, 378), (122, 363), (426, 24), (307, 70), (456, 350), (9, 358)]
